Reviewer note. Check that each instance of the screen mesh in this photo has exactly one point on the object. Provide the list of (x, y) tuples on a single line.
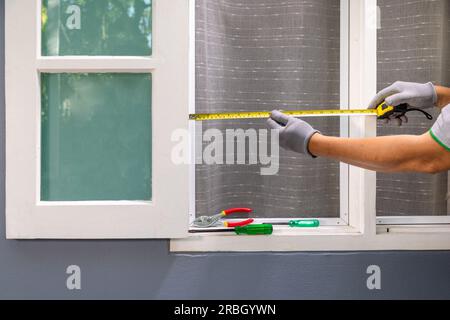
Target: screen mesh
[(412, 46), (265, 55)]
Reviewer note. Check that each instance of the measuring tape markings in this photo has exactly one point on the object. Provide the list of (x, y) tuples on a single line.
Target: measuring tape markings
[(265, 114), (383, 111)]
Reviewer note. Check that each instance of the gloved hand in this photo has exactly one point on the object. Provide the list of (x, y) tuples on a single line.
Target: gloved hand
[(416, 95), (294, 133)]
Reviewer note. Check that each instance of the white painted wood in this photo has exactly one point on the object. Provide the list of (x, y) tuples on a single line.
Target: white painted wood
[(96, 64), (286, 231), (417, 229), (409, 220), (344, 104), (324, 222), (165, 216), (325, 240), (192, 145), (362, 87)]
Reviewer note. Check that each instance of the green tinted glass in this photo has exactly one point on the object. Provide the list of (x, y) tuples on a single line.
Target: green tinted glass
[(96, 137), (96, 27)]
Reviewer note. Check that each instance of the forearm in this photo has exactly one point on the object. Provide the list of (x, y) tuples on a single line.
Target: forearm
[(443, 94), (385, 154)]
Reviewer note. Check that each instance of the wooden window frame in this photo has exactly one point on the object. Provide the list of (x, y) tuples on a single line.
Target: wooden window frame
[(29, 217)]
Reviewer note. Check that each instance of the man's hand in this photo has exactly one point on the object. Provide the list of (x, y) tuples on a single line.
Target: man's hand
[(295, 134), (416, 95)]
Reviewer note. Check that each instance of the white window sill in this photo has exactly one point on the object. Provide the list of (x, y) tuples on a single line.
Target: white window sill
[(328, 238)]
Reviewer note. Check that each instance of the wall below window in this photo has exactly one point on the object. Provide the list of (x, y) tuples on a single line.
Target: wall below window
[(146, 269)]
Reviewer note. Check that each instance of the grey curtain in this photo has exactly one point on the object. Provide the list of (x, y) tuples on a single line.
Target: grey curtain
[(413, 45), (264, 55)]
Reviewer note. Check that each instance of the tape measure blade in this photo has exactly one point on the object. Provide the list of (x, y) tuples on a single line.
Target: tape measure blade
[(265, 114), (325, 114)]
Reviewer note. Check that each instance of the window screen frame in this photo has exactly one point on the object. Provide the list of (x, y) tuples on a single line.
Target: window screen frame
[(27, 217), (362, 230), (437, 220), (343, 218)]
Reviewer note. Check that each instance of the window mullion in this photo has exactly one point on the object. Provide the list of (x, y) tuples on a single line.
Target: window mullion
[(344, 104), (96, 64), (362, 87)]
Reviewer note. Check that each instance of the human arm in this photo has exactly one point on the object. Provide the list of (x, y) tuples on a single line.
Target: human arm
[(443, 95), (427, 153), (406, 153)]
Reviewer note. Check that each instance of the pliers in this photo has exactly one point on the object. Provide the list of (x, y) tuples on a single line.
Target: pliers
[(212, 221)]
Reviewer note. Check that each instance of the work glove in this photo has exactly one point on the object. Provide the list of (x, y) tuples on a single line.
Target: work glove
[(416, 95), (294, 133)]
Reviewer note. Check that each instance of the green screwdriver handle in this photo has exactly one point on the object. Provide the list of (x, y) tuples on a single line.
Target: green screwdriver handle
[(304, 223), (255, 229)]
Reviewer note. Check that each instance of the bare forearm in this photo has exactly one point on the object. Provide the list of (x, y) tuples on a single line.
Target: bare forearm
[(385, 154), (443, 94)]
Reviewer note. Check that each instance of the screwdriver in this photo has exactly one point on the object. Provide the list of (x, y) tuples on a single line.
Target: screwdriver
[(251, 230), (310, 223), (304, 223), (255, 229)]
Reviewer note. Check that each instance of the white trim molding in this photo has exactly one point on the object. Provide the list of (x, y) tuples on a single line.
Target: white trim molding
[(81, 64), (324, 239)]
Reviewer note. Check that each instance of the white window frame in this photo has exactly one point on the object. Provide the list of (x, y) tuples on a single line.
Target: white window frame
[(28, 217), (413, 220), (358, 86), (343, 219), (173, 186)]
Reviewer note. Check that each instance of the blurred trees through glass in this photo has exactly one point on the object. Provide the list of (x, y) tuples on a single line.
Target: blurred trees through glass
[(96, 27), (96, 136)]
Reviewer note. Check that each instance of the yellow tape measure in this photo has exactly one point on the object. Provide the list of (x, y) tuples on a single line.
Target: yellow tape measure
[(264, 114), (381, 111)]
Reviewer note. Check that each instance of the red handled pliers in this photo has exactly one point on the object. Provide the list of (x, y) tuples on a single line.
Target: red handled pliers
[(212, 221)]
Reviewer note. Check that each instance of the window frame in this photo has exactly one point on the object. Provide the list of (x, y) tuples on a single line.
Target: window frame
[(343, 218), (172, 68), (27, 217), (413, 220), (358, 86)]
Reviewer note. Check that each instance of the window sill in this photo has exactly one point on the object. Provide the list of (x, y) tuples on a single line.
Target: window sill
[(330, 238)]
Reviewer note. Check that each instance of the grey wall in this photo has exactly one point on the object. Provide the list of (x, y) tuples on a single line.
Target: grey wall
[(146, 270)]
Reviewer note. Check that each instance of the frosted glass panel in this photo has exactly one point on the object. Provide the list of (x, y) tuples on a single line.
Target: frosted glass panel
[(93, 27), (96, 137)]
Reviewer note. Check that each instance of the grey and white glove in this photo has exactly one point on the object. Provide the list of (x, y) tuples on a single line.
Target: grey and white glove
[(416, 95), (294, 133)]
